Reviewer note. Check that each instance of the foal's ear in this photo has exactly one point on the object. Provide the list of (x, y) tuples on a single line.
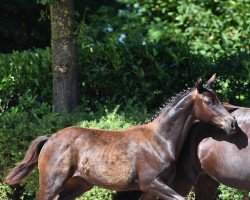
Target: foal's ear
[(211, 81), (199, 85)]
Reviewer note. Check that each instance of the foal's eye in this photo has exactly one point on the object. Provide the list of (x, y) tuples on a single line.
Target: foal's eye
[(208, 103)]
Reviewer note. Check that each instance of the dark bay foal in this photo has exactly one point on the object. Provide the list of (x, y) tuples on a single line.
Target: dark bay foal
[(208, 157), (74, 159)]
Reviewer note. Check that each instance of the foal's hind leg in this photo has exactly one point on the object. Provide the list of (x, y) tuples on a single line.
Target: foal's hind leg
[(50, 185), (73, 188), (54, 170)]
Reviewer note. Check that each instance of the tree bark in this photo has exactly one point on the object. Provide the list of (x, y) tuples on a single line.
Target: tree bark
[(64, 56)]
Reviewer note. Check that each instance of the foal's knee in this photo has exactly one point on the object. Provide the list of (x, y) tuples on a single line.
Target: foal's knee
[(148, 186), (144, 187)]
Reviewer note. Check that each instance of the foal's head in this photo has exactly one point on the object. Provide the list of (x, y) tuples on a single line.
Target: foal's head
[(208, 108)]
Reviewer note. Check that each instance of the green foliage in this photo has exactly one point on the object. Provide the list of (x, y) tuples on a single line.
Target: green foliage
[(113, 72), (25, 79), (148, 71), (97, 194), (4, 191), (45, 2), (109, 121), (234, 78), (23, 25), (118, 61), (230, 193), (154, 71), (211, 27), (16, 132)]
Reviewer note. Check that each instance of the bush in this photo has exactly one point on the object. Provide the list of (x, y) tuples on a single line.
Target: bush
[(234, 82), (113, 72), (23, 26), (97, 194), (4, 191), (230, 193), (25, 79), (211, 27), (151, 72)]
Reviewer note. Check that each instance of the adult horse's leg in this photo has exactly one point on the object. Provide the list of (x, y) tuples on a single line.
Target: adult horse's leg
[(73, 188), (205, 188)]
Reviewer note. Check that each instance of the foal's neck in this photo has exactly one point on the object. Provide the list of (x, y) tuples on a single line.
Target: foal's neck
[(174, 122)]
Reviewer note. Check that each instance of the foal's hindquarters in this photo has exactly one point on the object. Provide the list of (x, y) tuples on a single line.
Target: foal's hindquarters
[(71, 162)]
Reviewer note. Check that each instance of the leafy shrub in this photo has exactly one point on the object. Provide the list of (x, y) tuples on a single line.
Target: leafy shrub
[(113, 72), (151, 72), (109, 121), (230, 193), (22, 26), (137, 45), (234, 82), (25, 79), (97, 194), (4, 191), (211, 27)]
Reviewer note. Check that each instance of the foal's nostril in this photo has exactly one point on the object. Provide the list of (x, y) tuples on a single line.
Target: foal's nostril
[(233, 124)]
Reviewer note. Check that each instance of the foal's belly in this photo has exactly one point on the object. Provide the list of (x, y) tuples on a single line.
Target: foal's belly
[(111, 170)]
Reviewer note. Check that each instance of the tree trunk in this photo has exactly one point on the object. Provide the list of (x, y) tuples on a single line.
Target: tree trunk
[(64, 56)]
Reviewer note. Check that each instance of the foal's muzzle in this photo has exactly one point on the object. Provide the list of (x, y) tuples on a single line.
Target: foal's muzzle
[(229, 125)]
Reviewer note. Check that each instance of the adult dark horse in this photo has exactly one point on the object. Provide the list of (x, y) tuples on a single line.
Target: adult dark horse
[(234, 169), (142, 157), (207, 153)]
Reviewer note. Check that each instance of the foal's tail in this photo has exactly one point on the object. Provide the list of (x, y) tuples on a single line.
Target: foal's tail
[(22, 170)]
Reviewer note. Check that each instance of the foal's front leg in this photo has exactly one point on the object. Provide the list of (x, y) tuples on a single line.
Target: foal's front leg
[(151, 183), (158, 189)]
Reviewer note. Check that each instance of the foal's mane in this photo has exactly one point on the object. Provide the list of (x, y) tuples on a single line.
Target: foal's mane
[(171, 102)]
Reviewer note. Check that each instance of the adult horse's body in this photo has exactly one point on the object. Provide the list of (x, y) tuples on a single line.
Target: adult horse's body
[(207, 153), (142, 157), (231, 160)]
